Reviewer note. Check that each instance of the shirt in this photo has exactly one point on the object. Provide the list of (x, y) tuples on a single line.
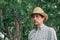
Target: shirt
[(42, 33)]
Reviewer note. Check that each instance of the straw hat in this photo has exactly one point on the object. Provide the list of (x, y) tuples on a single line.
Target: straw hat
[(40, 11)]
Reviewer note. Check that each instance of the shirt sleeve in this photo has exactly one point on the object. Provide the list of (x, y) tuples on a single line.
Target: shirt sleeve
[(29, 36), (53, 35)]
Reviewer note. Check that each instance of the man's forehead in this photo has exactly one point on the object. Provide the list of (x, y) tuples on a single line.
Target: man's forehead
[(37, 15)]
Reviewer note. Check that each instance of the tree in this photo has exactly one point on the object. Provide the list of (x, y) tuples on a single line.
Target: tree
[(15, 19)]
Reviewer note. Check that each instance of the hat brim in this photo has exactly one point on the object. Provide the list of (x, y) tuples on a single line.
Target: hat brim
[(43, 14)]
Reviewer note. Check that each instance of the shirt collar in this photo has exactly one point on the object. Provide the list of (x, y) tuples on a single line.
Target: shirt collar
[(41, 27)]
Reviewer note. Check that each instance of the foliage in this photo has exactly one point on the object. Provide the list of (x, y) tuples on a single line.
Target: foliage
[(23, 9)]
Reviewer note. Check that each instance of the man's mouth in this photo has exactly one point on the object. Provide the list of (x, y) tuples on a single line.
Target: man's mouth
[(35, 22)]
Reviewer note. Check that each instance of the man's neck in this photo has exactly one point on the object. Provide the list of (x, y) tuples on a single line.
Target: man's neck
[(40, 25)]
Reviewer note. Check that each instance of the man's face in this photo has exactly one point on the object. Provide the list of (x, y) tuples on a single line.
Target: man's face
[(37, 19)]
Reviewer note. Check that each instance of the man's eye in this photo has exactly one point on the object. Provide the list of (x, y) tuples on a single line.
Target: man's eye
[(36, 16)]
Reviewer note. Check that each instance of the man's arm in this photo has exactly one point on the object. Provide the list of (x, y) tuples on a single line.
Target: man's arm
[(53, 35)]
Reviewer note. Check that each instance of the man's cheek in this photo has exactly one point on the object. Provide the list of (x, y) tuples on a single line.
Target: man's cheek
[(39, 21)]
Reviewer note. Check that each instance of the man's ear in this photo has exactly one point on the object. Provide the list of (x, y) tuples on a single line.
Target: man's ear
[(44, 19)]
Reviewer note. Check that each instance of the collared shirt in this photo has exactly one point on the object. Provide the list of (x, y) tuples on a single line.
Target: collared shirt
[(42, 33)]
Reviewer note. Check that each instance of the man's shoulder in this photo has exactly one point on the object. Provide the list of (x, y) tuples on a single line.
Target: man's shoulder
[(32, 31), (50, 29)]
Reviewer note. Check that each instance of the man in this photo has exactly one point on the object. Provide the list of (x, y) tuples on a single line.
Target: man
[(41, 31)]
